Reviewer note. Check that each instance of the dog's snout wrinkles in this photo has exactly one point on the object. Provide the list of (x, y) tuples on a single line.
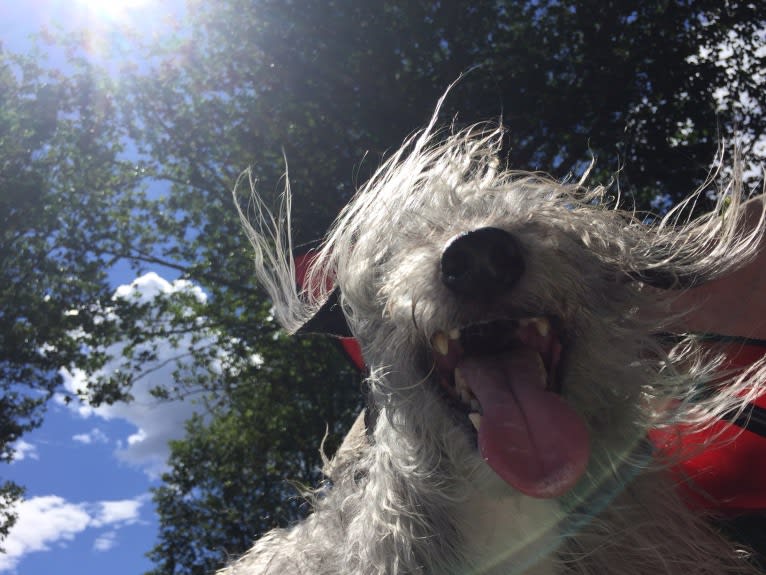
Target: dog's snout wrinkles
[(482, 262)]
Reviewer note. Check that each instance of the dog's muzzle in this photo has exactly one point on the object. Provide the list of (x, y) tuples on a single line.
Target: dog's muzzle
[(501, 371)]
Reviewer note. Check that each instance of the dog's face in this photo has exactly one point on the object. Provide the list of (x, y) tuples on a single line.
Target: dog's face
[(493, 305)]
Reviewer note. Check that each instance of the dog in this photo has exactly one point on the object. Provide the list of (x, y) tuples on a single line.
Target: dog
[(515, 329)]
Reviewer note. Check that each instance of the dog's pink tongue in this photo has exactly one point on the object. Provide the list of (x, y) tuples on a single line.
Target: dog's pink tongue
[(530, 437)]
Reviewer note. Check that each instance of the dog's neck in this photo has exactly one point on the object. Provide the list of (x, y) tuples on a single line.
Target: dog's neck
[(502, 531), (509, 533)]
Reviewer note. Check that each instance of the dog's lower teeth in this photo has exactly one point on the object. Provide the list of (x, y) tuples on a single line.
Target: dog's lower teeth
[(475, 420), (462, 389), (460, 383), (542, 374)]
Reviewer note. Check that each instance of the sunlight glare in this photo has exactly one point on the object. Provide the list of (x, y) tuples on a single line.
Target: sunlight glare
[(112, 27), (113, 10)]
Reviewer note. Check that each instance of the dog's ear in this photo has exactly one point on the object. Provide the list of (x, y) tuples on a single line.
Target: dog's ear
[(329, 319)]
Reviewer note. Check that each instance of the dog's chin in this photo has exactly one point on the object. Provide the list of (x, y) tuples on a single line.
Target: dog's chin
[(502, 381)]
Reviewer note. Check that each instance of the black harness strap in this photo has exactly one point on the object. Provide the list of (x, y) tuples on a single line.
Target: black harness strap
[(752, 419)]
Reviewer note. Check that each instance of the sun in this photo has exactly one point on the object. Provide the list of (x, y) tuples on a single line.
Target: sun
[(111, 25), (113, 10)]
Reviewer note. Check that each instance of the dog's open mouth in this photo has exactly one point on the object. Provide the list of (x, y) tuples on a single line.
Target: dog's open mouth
[(503, 375)]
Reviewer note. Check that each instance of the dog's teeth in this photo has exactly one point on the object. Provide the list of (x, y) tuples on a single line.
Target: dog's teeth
[(460, 383), (475, 420), (542, 373), (440, 343), (543, 326), (462, 389), (454, 334)]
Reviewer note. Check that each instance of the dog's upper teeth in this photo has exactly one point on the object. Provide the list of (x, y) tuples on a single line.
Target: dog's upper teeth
[(440, 342), (475, 420), (454, 334), (542, 325)]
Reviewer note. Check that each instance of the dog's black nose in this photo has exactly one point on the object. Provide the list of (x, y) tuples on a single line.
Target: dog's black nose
[(481, 263)]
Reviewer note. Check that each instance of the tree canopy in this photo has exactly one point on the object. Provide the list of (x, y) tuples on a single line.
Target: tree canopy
[(58, 172), (133, 159)]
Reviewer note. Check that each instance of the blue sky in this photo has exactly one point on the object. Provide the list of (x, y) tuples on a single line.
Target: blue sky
[(88, 471)]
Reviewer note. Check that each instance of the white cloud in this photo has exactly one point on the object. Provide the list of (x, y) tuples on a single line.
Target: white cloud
[(95, 435), (156, 421), (50, 519), (119, 511), (105, 541), (148, 286), (24, 450)]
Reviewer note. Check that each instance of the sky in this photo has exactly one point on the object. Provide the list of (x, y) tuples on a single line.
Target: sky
[(88, 471)]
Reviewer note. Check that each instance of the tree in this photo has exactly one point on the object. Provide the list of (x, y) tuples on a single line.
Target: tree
[(58, 164), (619, 80), (235, 473)]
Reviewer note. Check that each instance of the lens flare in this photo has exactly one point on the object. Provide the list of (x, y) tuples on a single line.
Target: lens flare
[(113, 10)]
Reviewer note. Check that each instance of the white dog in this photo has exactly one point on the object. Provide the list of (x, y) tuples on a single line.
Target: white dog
[(511, 327)]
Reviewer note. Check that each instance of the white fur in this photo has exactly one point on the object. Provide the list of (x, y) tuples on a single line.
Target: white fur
[(419, 499)]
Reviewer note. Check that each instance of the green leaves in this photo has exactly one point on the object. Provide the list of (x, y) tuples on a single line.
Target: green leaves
[(235, 473), (50, 268)]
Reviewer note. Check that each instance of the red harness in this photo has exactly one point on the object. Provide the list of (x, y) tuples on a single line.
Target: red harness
[(730, 474)]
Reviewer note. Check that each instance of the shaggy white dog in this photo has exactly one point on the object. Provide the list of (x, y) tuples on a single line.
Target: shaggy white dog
[(512, 330)]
